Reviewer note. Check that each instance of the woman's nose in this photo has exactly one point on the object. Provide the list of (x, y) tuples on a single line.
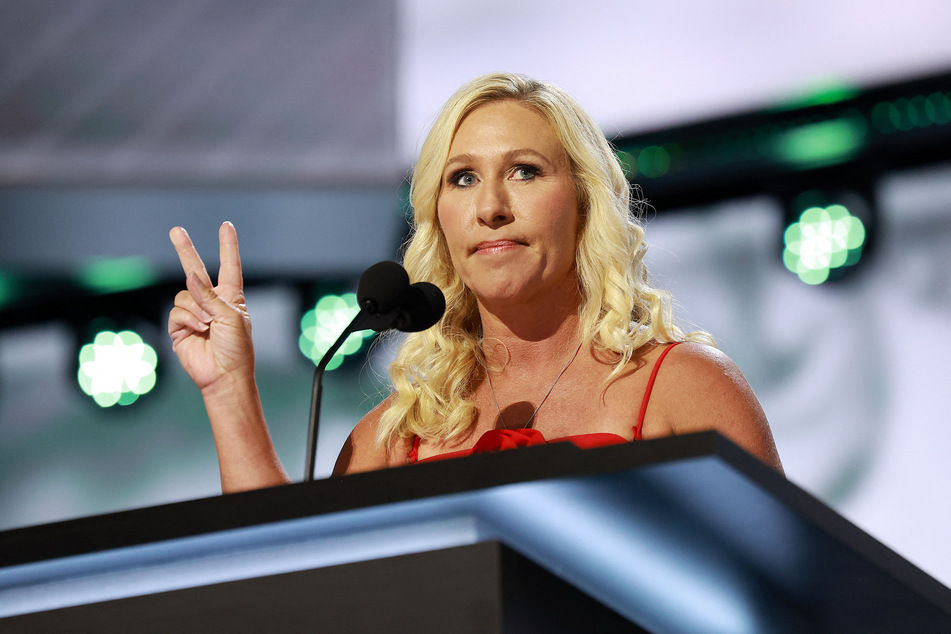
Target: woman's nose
[(493, 204)]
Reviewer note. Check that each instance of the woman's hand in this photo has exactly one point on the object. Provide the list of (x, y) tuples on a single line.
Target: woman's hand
[(209, 325), (211, 334)]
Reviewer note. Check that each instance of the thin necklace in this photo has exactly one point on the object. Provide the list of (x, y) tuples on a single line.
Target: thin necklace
[(532, 417)]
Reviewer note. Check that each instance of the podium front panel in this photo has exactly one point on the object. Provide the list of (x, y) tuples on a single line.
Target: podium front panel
[(679, 534)]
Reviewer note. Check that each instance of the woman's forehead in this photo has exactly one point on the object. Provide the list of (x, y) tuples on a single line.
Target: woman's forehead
[(504, 126)]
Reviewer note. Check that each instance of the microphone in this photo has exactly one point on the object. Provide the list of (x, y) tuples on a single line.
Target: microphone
[(422, 306), (381, 287), (387, 300)]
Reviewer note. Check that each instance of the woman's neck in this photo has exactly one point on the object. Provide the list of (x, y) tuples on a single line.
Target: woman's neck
[(525, 338)]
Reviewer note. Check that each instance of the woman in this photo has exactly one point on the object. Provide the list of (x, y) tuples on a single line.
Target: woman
[(552, 331)]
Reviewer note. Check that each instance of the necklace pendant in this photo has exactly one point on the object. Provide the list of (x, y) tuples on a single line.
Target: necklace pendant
[(528, 423)]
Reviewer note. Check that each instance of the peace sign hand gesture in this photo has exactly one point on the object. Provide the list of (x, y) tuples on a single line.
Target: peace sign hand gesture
[(209, 325)]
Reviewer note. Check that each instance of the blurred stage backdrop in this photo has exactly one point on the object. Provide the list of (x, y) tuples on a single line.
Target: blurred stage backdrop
[(796, 157)]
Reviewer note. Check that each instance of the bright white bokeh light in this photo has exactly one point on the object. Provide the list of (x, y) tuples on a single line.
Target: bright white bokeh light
[(821, 240), (117, 368)]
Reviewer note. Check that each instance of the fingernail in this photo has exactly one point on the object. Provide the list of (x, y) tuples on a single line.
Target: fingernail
[(205, 317)]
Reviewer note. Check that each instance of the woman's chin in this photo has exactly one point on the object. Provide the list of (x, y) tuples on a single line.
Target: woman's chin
[(521, 291)]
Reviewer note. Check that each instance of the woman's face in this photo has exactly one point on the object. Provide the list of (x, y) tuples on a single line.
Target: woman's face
[(508, 206)]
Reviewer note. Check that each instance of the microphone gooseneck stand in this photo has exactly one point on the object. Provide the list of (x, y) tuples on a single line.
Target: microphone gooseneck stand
[(387, 300), (317, 389)]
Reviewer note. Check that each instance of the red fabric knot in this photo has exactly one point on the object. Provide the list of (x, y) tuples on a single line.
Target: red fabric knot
[(499, 439)]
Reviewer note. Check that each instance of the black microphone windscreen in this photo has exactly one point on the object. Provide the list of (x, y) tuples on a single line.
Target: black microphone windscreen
[(423, 306), (382, 287)]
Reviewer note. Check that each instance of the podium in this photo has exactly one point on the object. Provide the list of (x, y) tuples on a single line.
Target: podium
[(680, 534)]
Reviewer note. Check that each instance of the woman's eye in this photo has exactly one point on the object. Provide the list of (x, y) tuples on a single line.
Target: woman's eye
[(462, 179), (525, 172)]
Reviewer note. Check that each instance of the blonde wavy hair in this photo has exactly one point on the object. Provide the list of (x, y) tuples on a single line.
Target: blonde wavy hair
[(435, 370)]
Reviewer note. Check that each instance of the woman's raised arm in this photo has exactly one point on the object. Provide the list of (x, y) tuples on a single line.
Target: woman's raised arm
[(211, 334)]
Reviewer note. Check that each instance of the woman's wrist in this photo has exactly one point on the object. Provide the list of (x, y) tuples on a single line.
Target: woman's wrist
[(230, 388)]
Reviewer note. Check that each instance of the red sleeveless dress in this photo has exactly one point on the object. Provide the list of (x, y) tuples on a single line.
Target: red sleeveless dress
[(500, 439)]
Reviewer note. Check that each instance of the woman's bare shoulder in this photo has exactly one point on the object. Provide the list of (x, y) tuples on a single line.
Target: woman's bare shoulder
[(701, 388), (362, 452), (702, 362)]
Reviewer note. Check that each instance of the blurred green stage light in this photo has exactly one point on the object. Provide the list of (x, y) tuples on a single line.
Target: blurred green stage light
[(920, 111), (823, 143), (8, 289), (822, 240), (111, 275), (652, 161), (117, 368), (321, 325)]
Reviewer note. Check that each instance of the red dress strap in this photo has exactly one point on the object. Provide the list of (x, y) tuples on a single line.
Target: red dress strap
[(650, 387), (414, 454)]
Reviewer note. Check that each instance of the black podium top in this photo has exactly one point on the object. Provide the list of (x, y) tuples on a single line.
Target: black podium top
[(685, 533)]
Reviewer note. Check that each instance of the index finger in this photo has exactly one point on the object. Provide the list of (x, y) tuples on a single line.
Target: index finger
[(229, 271), (187, 255)]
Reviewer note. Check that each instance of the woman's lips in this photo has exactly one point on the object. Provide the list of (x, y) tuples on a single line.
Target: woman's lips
[(496, 246)]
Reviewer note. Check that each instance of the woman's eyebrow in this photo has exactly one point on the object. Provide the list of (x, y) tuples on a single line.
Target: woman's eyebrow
[(467, 158)]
